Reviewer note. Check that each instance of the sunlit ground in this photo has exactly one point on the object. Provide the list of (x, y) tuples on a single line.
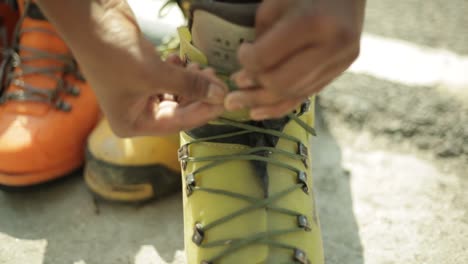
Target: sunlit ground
[(377, 205)]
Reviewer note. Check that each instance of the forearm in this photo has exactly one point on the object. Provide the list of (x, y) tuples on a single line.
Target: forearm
[(77, 21), (127, 73), (94, 27), (101, 32), (115, 58)]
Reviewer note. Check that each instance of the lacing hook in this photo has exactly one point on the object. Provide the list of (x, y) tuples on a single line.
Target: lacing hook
[(72, 90), (183, 154), (198, 234), (302, 179), (190, 183), (72, 68), (62, 105), (59, 103), (15, 58), (303, 222), (300, 256), (303, 151), (305, 107)]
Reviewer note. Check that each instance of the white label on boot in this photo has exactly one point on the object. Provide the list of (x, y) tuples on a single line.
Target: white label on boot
[(219, 39)]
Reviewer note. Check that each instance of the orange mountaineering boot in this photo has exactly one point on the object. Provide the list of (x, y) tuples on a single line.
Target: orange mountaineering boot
[(46, 108)]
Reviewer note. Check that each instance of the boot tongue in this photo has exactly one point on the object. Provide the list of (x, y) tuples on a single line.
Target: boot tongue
[(34, 12), (217, 31), (219, 28)]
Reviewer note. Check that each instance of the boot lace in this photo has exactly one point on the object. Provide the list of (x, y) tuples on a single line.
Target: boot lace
[(258, 154), (15, 67)]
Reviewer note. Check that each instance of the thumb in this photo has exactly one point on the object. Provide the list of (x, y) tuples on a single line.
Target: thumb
[(191, 85)]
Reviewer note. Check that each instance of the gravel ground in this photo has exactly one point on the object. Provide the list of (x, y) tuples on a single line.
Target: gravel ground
[(427, 117), (390, 169)]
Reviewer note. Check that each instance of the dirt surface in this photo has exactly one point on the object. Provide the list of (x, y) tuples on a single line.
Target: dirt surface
[(409, 207), (427, 117), (376, 205), (404, 152), (389, 165), (431, 23)]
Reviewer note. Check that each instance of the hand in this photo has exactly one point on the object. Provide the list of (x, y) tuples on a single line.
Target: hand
[(139, 93), (301, 46)]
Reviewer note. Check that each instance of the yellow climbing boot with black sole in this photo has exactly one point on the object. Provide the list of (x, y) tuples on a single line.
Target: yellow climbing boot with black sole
[(247, 186), (131, 169)]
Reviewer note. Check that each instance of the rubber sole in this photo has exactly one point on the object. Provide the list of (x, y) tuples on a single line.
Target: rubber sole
[(23, 180), (123, 183), (57, 180)]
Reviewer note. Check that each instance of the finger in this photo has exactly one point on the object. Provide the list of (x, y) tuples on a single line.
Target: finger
[(275, 111), (211, 75), (251, 98), (293, 79), (262, 97), (169, 117), (315, 86), (314, 83), (210, 72), (244, 80), (207, 71), (192, 85), (269, 12), (193, 67), (174, 59), (293, 73), (270, 49), (305, 67)]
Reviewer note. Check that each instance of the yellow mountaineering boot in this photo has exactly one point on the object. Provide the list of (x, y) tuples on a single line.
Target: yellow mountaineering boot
[(131, 169), (248, 195)]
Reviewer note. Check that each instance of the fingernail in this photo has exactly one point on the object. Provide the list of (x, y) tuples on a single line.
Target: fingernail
[(244, 80), (233, 103), (216, 110), (216, 94)]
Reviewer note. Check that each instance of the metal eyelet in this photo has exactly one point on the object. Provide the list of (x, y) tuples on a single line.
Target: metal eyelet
[(302, 179), (190, 183), (303, 222), (305, 107), (63, 106), (183, 154), (186, 59), (198, 234), (304, 152), (73, 90), (300, 256)]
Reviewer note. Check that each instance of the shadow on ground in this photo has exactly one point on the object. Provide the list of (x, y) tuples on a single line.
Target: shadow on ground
[(75, 228), (342, 243)]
